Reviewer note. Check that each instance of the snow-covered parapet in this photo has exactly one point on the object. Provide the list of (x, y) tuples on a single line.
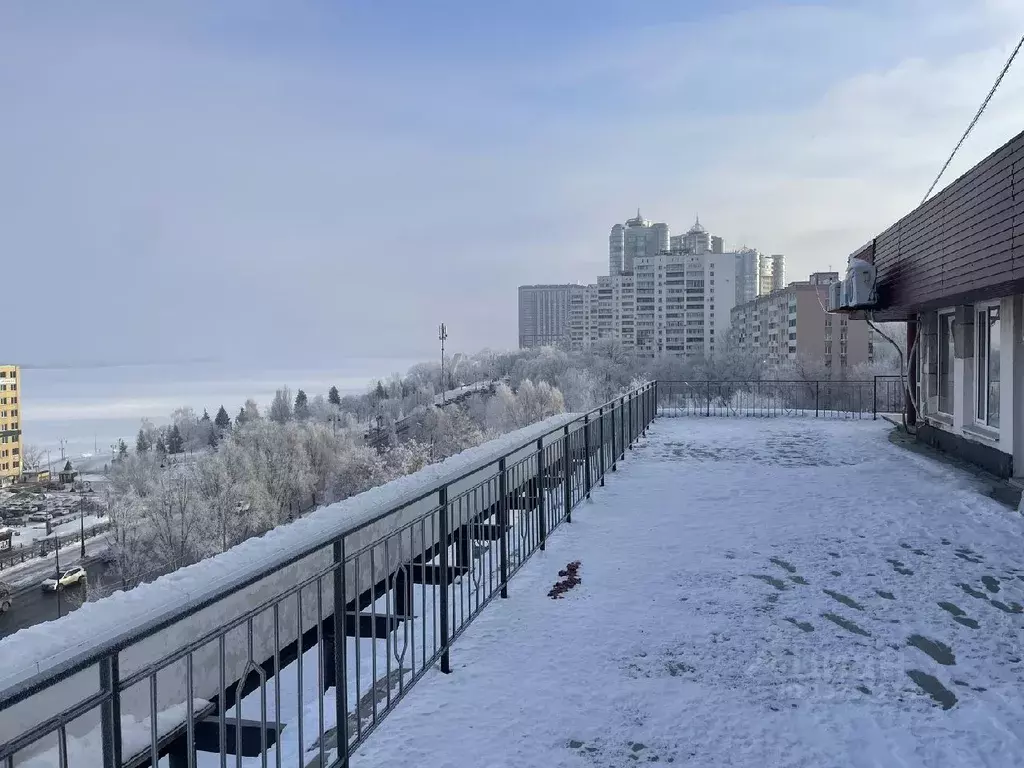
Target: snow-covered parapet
[(115, 620)]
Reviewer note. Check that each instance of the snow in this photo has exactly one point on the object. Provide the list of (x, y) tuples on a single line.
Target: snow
[(136, 735), (35, 649), (715, 567)]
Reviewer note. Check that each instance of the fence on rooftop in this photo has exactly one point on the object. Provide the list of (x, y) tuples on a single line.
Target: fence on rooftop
[(381, 602), (828, 399)]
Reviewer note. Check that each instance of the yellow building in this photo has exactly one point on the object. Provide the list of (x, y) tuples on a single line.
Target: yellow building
[(10, 424)]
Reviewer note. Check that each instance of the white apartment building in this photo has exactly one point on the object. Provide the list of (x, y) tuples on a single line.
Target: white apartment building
[(790, 324), (673, 305), (544, 314), (638, 237)]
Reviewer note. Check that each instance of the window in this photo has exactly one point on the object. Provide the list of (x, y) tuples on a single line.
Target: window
[(945, 363), (988, 366)]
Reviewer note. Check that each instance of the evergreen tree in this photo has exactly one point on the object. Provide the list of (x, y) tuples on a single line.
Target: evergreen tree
[(334, 397), (242, 417), (122, 450), (301, 406), (143, 442), (161, 446), (206, 416), (222, 420), (380, 392), (175, 442)]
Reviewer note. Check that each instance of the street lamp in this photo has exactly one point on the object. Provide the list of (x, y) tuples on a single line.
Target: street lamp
[(442, 335)]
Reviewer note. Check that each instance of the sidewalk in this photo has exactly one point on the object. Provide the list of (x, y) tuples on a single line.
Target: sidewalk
[(754, 593)]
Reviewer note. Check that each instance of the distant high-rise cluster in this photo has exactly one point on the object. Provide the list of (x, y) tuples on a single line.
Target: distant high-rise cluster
[(664, 294)]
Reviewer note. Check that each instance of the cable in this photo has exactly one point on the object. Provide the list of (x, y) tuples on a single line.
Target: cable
[(977, 115)]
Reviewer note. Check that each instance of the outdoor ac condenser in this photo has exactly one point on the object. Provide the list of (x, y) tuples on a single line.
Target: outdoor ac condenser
[(860, 283), (835, 296)]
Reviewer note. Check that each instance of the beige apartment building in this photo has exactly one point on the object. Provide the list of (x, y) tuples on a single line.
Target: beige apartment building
[(791, 324), (10, 424)]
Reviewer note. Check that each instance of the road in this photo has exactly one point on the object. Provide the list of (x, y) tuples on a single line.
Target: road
[(34, 606)]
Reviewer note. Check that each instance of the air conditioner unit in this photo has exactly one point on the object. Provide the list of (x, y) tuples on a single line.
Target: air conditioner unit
[(835, 296), (860, 283)]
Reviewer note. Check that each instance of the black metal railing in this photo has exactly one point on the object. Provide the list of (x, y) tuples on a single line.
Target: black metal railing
[(835, 399), (364, 609)]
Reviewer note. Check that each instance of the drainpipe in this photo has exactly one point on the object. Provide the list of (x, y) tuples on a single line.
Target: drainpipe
[(911, 371)]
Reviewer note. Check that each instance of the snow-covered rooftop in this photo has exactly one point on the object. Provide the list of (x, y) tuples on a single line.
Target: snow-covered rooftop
[(754, 593)]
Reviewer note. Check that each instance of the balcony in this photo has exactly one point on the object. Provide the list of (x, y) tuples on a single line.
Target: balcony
[(718, 591)]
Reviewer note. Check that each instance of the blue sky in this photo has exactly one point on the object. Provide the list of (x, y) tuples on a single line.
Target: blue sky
[(294, 180)]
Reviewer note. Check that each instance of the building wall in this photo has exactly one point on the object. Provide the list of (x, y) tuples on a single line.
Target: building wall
[(964, 244), (10, 424), (954, 375), (791, 324), (544, 315)]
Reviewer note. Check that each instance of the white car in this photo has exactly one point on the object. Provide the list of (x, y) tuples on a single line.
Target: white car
[(66, 579)]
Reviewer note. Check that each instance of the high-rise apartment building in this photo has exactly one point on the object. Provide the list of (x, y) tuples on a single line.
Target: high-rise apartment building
[(696, 240), (771, 273), (638, 237), (10, 424), (544, 314), (748, 265), (791, 324)]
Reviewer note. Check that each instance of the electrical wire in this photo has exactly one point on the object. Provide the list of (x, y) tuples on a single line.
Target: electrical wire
[(974, 121)]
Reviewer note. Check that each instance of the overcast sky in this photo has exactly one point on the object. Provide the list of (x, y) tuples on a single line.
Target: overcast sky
[(294, 180)]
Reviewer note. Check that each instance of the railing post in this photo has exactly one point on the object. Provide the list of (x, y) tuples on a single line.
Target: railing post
[(541, 494), (600, 441), (622, 427), (632, 426), (708, 411), (586, 453), (817, 384), (442, 502), (874, 399), (614, 455), (503, 525), (340, 650), (110, 711), (568, 475)]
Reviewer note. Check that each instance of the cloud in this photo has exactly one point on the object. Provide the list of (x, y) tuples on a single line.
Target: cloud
[(238, 180)]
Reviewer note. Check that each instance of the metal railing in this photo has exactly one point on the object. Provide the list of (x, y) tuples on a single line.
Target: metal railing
[(364, 611), (834, 399)]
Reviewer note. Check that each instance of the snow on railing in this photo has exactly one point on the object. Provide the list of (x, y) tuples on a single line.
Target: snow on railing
[(360, 597)]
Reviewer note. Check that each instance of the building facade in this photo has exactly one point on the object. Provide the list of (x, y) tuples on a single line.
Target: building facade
[(544, 314), (10, 424), (791, 325), (637, 237), (697, 240), (953, 268)]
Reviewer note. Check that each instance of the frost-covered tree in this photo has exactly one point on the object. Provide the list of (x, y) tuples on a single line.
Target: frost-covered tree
[(175, 440), (222, 421), (281, 407), (334, 397), (142, 442), (301, 406)]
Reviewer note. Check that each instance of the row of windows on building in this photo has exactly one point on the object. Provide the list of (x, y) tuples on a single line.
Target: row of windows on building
[(986, 365)]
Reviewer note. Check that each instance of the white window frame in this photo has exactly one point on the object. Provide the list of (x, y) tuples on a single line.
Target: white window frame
[(982, 365), (944, 316)]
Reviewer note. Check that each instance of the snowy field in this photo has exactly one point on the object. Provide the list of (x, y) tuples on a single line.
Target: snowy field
[(754, 593)]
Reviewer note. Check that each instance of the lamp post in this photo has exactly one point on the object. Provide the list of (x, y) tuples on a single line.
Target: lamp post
[(442, 335), (56, 554), (81, 519)]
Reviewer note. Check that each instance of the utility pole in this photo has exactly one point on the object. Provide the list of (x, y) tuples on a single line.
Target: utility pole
[(442, 335), (56, 554), (81, 518), (63, 442)]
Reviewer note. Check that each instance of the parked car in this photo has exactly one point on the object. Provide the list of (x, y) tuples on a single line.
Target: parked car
[(40, 517), (5, 598), (60, 580)]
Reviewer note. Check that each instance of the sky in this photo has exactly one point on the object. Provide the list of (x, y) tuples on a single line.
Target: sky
[(300, 182)]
